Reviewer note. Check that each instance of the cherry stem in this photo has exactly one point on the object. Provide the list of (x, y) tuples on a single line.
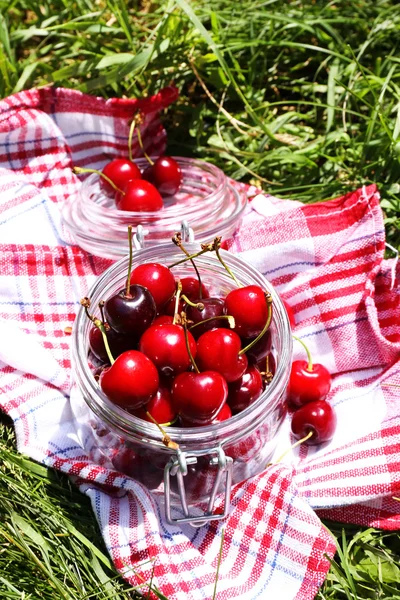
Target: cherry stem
[(130, 137), (229, 271), (139, 137), (304, 439), (177, 239), (128, 279), (85, 302), (267, 375), (166, 439), (183, 260), (198, 305), (195, 367), (177, 298), (80, 170), (229, 318), (101, 307), (310, 362), (268, 300)]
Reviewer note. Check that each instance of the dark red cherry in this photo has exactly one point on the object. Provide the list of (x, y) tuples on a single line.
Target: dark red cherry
[(165, 345), (139, 196), (308, 385), (120, 171), (249, 308), (131, 381), (191, 289), (199, 396), (260, 349), (160, 407), (245, 390), (213, 307), (165, 174), (218, 350), (158, 279), (131, 314), (318, 417), (118, 343)]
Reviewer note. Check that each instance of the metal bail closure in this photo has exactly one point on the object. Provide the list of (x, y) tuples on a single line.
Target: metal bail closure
[(178, 467), (187, 232), (138, 238)]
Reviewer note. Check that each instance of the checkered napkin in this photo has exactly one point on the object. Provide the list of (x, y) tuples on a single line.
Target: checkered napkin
[(325, 259)]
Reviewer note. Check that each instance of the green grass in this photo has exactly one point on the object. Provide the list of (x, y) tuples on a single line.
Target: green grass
[(302, 98)]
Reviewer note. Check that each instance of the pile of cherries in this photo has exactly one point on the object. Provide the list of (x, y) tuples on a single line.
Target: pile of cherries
[(168, 352), (313, 419), (137, 191), (178, 355)]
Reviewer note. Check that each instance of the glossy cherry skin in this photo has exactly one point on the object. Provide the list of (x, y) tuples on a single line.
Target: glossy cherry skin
[(165, 345), (245, 390), (158, 279), (162, 319), (165, 174), (160, 407), (308, 386), (224, 414), (318, 417), (169, 307), (117, 342), (131, 381), (199, 396), (139, 196), (290, 313), (120, 171), (259, 351), (213, 307), (133, 314), (218, 350), (191, 289), (249, 308)]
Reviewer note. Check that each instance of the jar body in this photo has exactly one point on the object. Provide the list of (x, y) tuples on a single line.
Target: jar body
[(118, 440)]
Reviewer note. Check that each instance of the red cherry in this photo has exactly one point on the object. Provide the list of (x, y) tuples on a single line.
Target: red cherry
[(165, 174), (308, 385), (224, 414), (131, 381), (165, 345), (199, 396), (139, 196), (290, 313), (318, 417), (218, 350), (245, 390), (158, 279), (249, 308), (191, 289), (160, 407), (120, 171)]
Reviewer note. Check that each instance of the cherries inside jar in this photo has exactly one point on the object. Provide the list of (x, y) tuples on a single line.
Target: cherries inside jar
[(247, 433)]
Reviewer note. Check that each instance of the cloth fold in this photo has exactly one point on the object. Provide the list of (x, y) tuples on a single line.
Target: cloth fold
[(326, 260)]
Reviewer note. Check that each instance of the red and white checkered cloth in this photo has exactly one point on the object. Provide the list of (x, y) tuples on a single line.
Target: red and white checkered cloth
[(325, 259)]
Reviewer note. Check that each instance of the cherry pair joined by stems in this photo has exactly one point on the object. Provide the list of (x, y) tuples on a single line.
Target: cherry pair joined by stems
[(309, 385)]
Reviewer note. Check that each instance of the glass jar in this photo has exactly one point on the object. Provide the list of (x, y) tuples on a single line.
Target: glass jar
[(209, 458), (207, 201)]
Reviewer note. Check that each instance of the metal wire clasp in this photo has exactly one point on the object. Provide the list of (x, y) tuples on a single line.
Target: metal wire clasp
[(187, 232), (178, 467), (138, 238)]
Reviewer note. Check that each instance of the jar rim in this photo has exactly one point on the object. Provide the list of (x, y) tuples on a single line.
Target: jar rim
[(130, 425)]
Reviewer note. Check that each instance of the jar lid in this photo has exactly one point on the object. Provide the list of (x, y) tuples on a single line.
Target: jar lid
[(207, 201)]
